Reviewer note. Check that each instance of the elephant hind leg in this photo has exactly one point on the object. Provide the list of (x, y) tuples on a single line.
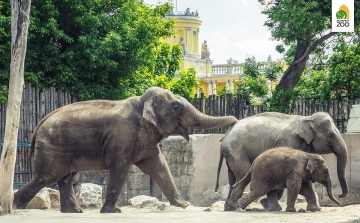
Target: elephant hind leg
[(270, 203), (68, 203), (24, 195), (248, 198), (232, 180)]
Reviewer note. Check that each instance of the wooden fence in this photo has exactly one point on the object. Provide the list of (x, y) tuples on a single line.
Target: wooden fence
[(36, 104), (235, 105)]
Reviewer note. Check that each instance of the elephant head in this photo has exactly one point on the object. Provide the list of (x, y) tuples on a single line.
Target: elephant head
[(322, 137), (319, 172), (173, 115)]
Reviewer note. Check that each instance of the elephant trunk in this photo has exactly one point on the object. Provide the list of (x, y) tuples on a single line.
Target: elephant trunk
[(197, 120), (330, 193), (341, 154)]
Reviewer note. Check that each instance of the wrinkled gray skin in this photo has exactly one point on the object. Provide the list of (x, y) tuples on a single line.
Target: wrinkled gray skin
[(281, 168), (251, 136), (111, 135)]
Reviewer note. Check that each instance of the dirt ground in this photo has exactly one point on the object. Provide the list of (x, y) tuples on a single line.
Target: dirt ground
[(350, 213)]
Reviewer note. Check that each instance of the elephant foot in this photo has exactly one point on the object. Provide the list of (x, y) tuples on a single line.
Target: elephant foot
[(270, 207), (228, 207), (180, 203), (290, 209), (106, 209), (76, 209), (18, 203), (264, 202), (313, 207)]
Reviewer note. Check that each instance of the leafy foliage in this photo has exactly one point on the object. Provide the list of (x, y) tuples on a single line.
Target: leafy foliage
[(253, 84), (303, 26), (89, 47), (187, 84), (344, 66)]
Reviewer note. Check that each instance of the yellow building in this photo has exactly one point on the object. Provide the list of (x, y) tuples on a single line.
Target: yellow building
[(197, 55)]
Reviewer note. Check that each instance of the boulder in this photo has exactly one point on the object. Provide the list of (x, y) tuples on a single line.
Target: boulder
[(89, 195), (224, 192), (41, 200), (54, 198), (143, 201)]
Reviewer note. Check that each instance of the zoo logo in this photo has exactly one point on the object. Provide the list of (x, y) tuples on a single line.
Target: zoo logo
[(343, 16)]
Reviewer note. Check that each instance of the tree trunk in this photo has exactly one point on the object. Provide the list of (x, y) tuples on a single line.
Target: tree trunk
[(20, 12), (296, 68), (294, 71)]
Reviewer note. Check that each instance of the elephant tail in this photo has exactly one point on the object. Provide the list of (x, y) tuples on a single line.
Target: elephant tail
[(218, 171), (32, 148), (246, 179)]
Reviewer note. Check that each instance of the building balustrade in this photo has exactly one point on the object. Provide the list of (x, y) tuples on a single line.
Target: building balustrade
[(227, 70)]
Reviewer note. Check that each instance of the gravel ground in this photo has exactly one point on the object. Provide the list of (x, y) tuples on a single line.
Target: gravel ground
[(350, 213)]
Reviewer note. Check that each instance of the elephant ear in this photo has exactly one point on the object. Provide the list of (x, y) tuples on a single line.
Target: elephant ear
[(149, 111), (311, 166), (305, 131)]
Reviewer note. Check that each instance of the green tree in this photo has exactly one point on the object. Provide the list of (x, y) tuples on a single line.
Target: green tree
[(159, 73), (187, 84), (253, 84), (88, 47), (302, 25), (344, 71), (313, 86)]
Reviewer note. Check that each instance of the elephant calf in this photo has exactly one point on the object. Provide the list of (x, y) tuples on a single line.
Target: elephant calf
[(281, 168)]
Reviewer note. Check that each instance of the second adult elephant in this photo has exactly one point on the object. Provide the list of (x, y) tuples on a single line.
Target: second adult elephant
[(111, 135), (251, 136)]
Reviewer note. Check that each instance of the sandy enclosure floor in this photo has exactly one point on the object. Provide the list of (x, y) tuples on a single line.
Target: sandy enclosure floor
[(350, 213)]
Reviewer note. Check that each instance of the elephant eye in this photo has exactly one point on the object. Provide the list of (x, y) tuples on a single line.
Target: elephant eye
[(176, 109)]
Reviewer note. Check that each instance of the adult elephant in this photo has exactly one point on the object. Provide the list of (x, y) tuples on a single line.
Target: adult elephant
[(251, 136), (111, 135)]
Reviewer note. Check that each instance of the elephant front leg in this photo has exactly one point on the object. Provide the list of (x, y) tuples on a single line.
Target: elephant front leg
[(117, 178), (293, 185), (308, 191), (157, 168)]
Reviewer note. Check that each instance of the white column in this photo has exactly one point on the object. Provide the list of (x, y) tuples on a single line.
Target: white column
[(227, 85), (232, 85), (214, 87), (209, 88)]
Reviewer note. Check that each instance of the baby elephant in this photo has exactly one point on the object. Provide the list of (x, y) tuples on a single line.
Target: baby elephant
[(281, 168)]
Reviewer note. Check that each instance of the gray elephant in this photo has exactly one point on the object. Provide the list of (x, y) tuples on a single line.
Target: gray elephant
[(111, 135), (251, 136), (281, 168)]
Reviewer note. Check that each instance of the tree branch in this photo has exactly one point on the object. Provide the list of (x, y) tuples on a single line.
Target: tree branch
[(320, 40)]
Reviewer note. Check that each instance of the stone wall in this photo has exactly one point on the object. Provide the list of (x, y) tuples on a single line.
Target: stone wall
[(194, 166)]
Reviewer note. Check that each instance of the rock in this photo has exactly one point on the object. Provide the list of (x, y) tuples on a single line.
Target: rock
[(224, 192), (1, 210), (143, 201), (300, 199), (207, 209), (41, 200), (218, 206), (89, 195), (209, 197), (302, 210), (54, 198)]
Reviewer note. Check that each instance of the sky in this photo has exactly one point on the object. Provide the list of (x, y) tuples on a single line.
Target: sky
[(233, 29)]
